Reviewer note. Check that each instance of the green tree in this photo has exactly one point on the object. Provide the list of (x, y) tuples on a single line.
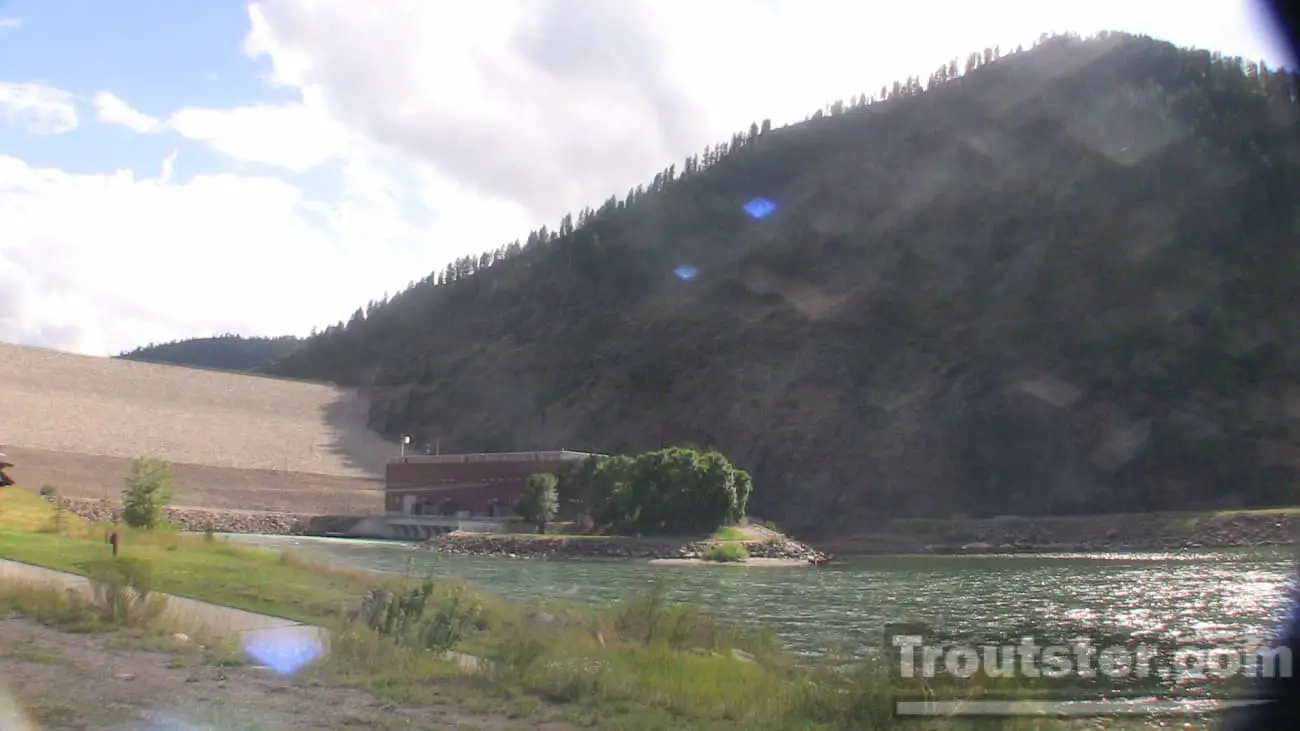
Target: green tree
[(539, 502), (575, 486), (148, 493), (675, 490)]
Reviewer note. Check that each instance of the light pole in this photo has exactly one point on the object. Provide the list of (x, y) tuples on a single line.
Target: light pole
[(406, 439)]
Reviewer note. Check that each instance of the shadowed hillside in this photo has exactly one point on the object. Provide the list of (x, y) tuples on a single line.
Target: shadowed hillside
[(1053, 281), (224, 352)]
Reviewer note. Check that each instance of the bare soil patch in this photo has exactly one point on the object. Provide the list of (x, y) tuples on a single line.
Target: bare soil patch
[(59, 681)]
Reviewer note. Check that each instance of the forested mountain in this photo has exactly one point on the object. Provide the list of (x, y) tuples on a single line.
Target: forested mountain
[(1054, 280), (223, 352)]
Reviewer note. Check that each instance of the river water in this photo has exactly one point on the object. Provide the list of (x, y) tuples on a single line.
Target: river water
[(839, 611)]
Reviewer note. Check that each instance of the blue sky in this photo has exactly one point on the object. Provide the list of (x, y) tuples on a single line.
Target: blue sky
[(159, 54), (172, 169)]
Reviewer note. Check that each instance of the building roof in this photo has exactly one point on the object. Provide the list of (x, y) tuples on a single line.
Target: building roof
[(558, 455)]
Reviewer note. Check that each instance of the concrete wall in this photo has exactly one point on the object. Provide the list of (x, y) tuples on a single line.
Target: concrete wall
[(403, 527), (472, 486)]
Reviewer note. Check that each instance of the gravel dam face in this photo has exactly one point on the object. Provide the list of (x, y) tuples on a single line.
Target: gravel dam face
[(235, 441)]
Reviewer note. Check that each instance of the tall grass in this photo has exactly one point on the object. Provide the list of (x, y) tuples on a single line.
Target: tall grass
[(118, 596), (643, 664)]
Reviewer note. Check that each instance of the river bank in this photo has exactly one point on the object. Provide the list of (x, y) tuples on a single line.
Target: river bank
[(768, 549), (1074, 534), (1062, 534)]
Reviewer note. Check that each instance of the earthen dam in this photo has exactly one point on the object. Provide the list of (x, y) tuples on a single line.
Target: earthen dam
[(235, 441)]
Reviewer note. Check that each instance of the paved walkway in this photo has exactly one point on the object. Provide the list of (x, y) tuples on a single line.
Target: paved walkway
[(193, 616)]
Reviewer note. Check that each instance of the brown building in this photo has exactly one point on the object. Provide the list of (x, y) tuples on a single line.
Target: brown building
[(465, 484)]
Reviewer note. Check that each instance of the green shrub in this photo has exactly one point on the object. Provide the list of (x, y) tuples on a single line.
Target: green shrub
[(539, 502), (725, 553), (122, 591), (424, 618), (669, 491), (148, 493)]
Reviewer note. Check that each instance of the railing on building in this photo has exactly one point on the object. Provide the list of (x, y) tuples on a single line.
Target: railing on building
[(558, 455)]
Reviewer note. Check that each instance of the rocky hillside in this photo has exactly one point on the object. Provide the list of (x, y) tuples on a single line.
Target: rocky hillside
[(1051, 281)]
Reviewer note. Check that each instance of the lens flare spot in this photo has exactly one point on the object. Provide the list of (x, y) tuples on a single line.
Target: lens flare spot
[(12, 715), (282, 651), (760, 208), (686, 273)]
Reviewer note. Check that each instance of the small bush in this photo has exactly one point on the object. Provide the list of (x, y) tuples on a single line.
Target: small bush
[(423, 618), (58, 524), (148, 493), (514, 657), (122, 591), (725, 553), (649, 619)]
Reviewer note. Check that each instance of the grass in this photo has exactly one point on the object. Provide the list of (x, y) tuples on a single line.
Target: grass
[(27, 512), (729, 533), (725, 552), (281, 585)]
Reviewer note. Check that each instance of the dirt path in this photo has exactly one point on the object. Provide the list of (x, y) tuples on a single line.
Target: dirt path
[(56, 680)]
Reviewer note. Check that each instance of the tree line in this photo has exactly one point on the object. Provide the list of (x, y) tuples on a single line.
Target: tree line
[(1215, 67), (672, 491)]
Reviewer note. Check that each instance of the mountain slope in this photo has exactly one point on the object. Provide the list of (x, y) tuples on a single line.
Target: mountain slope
[(1056, 282), (224, 352)]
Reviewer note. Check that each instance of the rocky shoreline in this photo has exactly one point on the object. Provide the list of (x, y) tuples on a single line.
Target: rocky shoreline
[(1083, 534), (598, 547), (194, 519)]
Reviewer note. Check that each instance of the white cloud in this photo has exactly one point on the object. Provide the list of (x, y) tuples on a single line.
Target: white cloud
[(101, 263), (505, 94), (292, 136), (112, 110), (37, 108), (484, 118), (10, 23)]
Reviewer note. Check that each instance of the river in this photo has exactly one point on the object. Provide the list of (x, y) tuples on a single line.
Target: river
[(840, 611)]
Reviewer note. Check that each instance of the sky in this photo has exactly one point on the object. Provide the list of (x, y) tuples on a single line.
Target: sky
[(182, 169)]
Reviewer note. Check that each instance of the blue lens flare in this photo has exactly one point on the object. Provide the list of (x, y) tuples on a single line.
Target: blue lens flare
[(686, 273), (283, 652), (760, 208)]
